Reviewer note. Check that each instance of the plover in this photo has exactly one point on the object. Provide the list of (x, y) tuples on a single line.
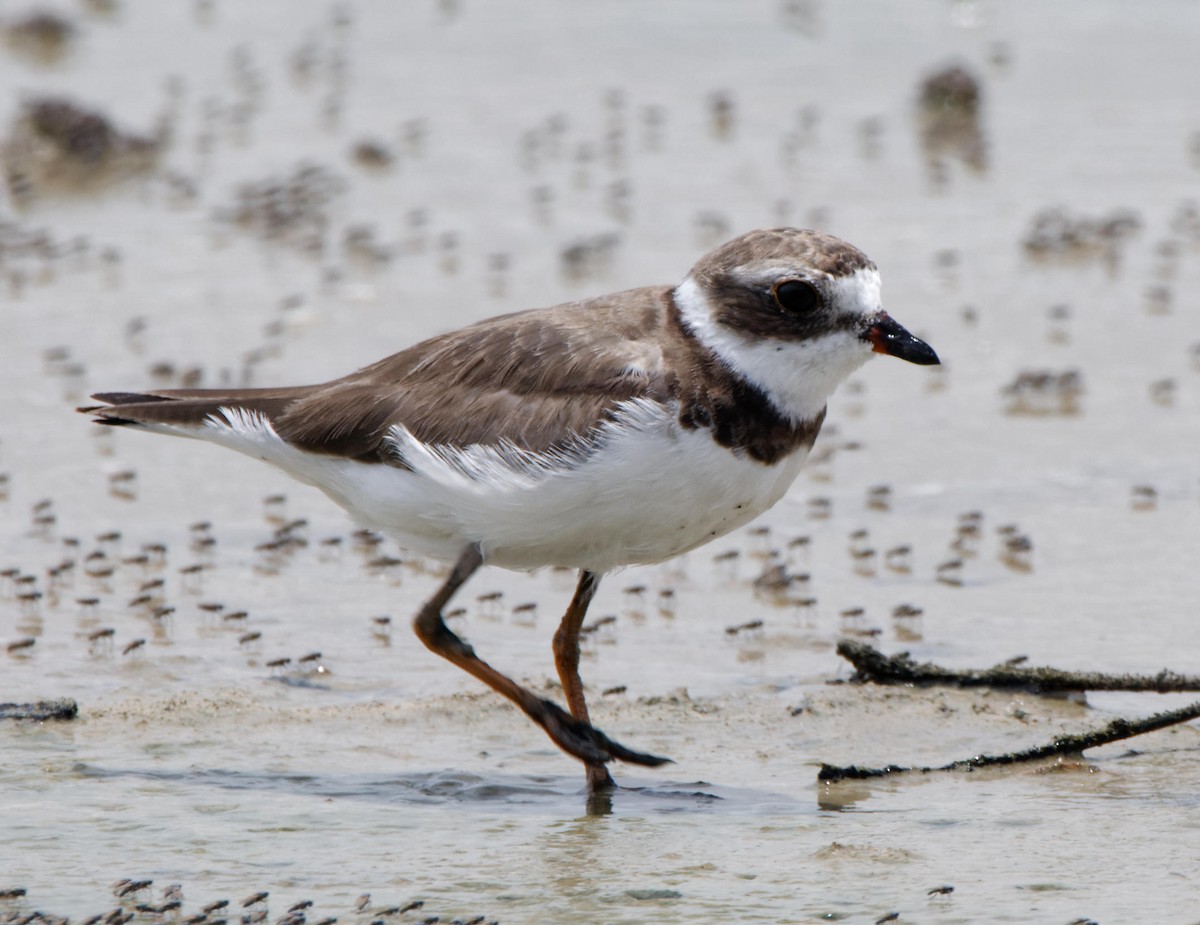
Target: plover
[(619, 430)]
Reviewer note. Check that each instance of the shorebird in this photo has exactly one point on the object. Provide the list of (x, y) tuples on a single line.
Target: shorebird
[(619, 430)]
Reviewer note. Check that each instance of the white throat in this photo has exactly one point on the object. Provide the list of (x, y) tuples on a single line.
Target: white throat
[(797, 376)]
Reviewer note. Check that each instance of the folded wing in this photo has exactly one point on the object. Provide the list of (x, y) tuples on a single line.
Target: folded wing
[(532, 380)]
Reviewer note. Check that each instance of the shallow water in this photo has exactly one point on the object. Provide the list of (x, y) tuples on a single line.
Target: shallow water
[(522, 130)]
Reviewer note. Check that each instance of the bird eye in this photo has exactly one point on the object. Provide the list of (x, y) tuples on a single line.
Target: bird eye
[(797, 296)]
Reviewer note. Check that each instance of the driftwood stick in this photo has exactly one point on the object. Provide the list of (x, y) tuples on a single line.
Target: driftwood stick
[(1115, 731), (42, 710), (873, 666)]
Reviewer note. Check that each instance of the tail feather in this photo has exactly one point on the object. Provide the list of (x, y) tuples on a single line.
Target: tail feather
[(187, 408)]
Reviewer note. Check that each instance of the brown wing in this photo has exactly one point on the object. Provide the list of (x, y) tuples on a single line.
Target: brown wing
[(531, 379)]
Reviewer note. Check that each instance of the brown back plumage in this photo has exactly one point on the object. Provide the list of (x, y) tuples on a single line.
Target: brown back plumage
[(527, 379), (536, 380)]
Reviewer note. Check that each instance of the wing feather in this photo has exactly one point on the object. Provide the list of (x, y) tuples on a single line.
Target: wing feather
[(533, 380)]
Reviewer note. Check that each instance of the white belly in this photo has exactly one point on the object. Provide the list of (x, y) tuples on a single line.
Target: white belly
[(652, 491)]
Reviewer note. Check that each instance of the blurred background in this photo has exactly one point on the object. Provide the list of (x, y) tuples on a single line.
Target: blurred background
[(205, 192)]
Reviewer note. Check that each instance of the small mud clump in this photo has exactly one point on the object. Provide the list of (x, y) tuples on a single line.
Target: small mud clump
[(1057, 235), (58, 145), (296, 210), (41, 36), (950, 109), (1042, 392)]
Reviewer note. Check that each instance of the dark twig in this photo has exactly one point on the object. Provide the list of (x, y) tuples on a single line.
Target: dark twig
[(1115, 731), (42, 710), (873, 666)]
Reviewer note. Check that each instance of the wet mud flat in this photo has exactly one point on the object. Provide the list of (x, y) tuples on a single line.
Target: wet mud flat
[(285, 196), (262, 809)]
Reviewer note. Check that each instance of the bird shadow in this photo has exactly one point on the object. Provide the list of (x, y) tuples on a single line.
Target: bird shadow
[(467, 790)]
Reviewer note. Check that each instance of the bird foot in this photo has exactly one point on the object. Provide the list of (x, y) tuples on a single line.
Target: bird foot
[(585, 741)]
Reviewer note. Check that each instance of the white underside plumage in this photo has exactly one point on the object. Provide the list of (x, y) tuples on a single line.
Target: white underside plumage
[(647, 490)]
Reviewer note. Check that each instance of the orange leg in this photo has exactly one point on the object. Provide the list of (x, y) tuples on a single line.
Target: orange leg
[(572, 734), (566, 659)]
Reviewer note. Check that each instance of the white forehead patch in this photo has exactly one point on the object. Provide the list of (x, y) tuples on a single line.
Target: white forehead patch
[(856, 294)]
